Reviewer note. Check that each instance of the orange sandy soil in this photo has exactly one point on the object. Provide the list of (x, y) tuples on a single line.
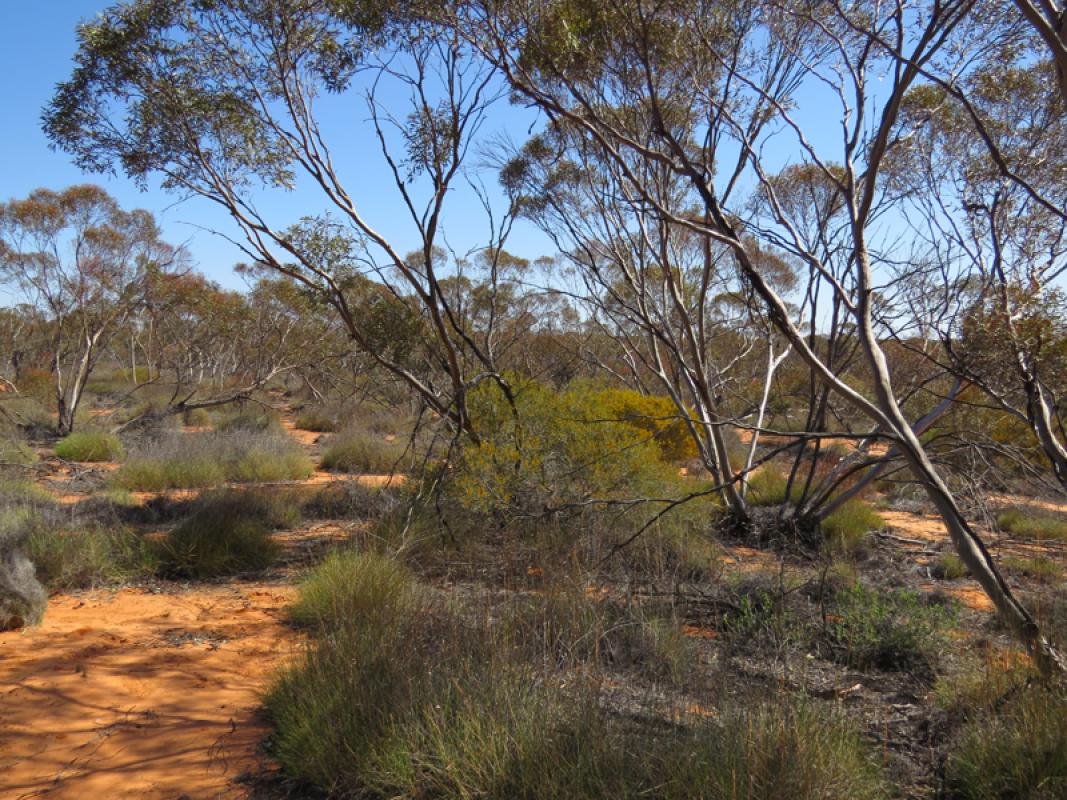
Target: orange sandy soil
[(131, 694), (138, 694), (929, 534)]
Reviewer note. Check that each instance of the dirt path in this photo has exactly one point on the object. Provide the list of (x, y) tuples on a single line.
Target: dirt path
[(138, 693), (133, 694)]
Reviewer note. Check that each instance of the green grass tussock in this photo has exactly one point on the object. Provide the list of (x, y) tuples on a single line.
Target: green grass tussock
[(846, 529), (405, 695), (1033, 524), (767, 487), (895, 631), (228, 533), (1041, 569), (316, 420), (1018, 751), (949, 567), (194, 460), (360, 452), (351, 584), (92, 556), (90, 446)]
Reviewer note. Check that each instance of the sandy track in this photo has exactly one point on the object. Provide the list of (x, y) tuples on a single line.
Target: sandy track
[(133, 694)]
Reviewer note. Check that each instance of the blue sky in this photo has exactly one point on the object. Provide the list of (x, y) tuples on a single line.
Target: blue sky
[(37, 44)]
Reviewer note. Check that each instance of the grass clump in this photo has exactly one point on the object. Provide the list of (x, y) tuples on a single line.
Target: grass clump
[(90, 556), (949, 567), (894, 631), (1040, 568), (768, 487), (13, 451), (361, 452), (316, 420), (197, 418), (90, 446), (849, 525), (1032, 524), (229, 533), (1018, 751), (249, 419), (354, 584), (984, 681), (193, 460), (411, 697)]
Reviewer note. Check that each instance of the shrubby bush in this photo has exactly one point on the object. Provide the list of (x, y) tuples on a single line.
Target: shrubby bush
[(655, 415), (555, 452), (891, 630)]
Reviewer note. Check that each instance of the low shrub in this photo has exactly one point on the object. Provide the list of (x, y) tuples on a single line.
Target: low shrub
[(359, 452), (346, 499), (90, 446), (760, 618), (1017, 751), (193, 460), (892, 630), (1032, 524)]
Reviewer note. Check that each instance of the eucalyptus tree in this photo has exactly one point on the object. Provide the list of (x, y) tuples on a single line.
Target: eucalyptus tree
[(83, 265), (614, 72), (223, 100), (995, 235), (1049, 20)]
